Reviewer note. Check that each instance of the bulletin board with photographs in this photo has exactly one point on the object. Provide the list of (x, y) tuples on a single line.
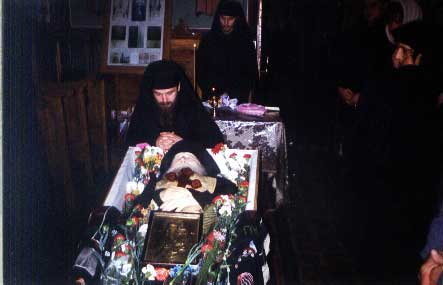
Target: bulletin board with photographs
[(134, 34)]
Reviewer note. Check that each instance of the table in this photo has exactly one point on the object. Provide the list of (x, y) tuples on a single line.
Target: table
[(266, 134)]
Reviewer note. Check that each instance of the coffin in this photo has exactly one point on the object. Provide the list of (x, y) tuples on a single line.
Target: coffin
[(115, 196)]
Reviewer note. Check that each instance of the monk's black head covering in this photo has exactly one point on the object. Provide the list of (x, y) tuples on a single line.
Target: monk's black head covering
[(144, 125), (413, 34), (232, 8), (165, 74), (196, 149)]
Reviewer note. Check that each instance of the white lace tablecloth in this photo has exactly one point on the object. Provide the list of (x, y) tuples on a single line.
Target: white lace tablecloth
[(266, 134)]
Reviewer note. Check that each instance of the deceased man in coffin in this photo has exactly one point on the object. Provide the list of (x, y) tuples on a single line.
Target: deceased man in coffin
[(189, 179)]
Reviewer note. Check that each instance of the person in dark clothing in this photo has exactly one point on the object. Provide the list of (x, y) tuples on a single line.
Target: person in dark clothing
[(226, 57), (168, 110), (395, 170), (432, 269)]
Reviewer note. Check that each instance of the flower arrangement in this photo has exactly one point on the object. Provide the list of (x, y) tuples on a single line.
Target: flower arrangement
[(237, 166), (216, 247), (213, 250), (148, 160)]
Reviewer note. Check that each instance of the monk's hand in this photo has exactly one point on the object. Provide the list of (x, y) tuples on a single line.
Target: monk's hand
[(164, 141), (171, 138), (431, 270), (348, 96), (177, 199)]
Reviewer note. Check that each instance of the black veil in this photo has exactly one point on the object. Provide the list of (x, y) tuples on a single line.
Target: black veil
[(191, 120)]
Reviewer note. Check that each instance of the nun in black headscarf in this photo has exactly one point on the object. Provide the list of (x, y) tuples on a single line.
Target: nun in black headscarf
[(226, 58), (186, 118)]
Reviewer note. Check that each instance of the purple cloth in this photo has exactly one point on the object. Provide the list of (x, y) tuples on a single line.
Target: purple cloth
[(435, 235)]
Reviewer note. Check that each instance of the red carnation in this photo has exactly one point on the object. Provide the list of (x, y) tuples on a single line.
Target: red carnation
[(210, 238), (119, 254), (162, 274), (195, 183), (217, 199), (129, 197), (135, 220), (242, 199), (217, 148), (137, 208), (244, 184), (247, 155), (233, 155), (171, 176), (206, 247), (119, 237), (137, 153)]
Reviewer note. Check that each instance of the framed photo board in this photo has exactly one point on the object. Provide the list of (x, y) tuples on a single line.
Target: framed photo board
[(136, 33), (170, 237)]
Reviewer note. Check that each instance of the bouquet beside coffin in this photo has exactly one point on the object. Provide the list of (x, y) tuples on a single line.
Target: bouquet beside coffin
[(130, 243)]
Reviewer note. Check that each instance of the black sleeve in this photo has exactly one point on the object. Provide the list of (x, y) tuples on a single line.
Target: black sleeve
[(253, 68), (200, 127), (202, 67), (141, 128)]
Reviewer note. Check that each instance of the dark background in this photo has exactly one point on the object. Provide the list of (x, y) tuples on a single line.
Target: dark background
[(297, 38)]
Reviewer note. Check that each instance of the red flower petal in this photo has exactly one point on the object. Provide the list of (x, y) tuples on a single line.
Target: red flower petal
[(196, 184), (206, 247), (129, 197), (119, 253), (217, 148), (162, 274), (210, 238), (216, 199), (247, 155), (233, 155), (119, 237)]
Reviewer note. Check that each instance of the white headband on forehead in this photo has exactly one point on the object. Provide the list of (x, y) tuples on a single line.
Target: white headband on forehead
[(192, 163)]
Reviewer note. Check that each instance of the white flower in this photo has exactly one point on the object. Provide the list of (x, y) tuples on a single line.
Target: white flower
[(232, 175), (219, 236), (131, 186), (143, 229), (149, 272), (233, 164), (143, 170), (140, 187), (226, 208), (126, 269)]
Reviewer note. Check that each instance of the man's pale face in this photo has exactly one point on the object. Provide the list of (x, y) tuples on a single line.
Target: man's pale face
[(165, 98), (227, 23), (403, 55), (186, 159)]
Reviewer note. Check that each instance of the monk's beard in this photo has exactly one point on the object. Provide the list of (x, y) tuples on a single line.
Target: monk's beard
[(167, 116)]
